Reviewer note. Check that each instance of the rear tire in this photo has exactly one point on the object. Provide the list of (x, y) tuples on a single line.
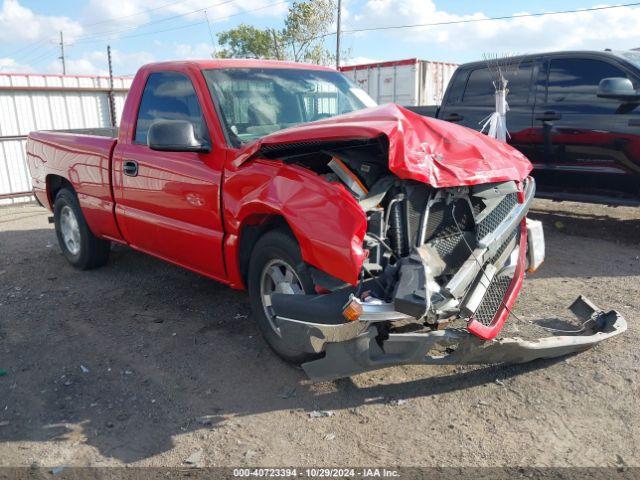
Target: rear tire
[(277, 255), (81, 248)]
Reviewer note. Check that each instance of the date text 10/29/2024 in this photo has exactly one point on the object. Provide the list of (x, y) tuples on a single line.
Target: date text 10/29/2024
[(317, 472)]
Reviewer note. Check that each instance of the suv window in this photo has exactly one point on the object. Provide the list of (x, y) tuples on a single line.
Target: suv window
[(481, 91), (168, 96), (575, 81), (454, 95)]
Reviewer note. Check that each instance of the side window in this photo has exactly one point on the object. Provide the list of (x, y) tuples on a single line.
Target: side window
[(575, 81), (481, 91), (168, 96), (519, 84), (456, 90)]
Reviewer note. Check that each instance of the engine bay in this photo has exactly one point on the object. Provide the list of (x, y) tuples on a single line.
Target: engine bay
[(434, 254)]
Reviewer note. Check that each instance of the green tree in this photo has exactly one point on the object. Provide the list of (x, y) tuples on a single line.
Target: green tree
[(301, 39), (245, 41), (305, 29)]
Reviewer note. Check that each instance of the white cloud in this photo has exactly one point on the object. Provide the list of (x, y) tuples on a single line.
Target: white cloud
[(95, 63), (99, 14), (124, 63), (357, 61), (11, 65), (614, 28), (184, 51), (19, 24), (114, 16)]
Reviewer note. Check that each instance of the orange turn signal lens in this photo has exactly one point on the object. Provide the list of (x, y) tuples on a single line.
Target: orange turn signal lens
[(352, 310)]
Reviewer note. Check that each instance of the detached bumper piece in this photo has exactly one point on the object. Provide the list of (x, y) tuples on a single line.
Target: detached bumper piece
[(367, 351)]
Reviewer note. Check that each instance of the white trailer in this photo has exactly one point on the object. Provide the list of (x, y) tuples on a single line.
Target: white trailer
[(408, 82), (30, 101)]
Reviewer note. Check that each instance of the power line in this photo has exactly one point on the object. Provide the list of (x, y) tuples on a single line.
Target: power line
[(141, 12), (213, 43), (43, 56), (189, 25), (40, 44), (37, 53), (153, 22), (487, 19)]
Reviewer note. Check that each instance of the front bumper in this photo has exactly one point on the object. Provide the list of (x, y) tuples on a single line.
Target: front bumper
[(444, 347), (483, 290)]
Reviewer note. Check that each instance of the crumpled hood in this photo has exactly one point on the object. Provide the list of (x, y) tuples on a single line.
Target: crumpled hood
[(432, 151)]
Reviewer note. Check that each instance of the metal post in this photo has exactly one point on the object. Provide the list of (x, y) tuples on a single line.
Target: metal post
[(338, 35), (112, 103), (64, 67)]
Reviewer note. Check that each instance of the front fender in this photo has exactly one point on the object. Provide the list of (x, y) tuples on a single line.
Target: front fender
[(328, 223)]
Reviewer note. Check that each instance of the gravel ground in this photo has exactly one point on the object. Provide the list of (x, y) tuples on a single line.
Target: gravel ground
[(143, 363)]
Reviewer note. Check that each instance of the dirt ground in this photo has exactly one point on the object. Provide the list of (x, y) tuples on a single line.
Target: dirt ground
[(143, 363)]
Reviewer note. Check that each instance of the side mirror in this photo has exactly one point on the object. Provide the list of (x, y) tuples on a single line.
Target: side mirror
[(175, 136), (618, 89)]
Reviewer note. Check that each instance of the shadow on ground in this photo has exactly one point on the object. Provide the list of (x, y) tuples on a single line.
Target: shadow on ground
[(590, 225), (128, 356)]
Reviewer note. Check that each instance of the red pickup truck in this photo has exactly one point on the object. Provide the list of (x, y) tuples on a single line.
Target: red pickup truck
[(360, 231)]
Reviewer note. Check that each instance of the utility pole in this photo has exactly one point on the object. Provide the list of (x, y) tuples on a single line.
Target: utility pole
[(61, 57), (338, 35), (112, 103)]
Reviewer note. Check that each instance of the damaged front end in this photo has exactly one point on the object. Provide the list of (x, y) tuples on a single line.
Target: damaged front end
[(447, 246)]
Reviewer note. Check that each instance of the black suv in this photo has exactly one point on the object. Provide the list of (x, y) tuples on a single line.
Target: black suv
[(575, 115)]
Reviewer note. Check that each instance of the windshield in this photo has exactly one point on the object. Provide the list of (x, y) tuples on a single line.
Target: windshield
[(255, 102)]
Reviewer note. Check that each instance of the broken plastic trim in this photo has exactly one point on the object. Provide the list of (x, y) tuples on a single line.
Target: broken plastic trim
[(363, 353), (313, 337)]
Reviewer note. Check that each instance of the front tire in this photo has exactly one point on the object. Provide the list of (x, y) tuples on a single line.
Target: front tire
[(81, 248), (276, 266)]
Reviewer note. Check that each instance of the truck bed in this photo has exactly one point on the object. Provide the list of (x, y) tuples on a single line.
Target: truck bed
[(83, 157), (109, 132)]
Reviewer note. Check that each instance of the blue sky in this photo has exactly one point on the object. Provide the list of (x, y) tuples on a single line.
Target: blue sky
[(141, 31)]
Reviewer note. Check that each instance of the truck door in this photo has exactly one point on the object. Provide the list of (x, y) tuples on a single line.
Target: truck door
[(471, 104), (586, 144), (168, 203)]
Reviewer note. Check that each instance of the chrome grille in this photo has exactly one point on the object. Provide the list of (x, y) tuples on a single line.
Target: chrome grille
[(504, 245), (441, 219), (497, 215), (454, 249), (492, 300)]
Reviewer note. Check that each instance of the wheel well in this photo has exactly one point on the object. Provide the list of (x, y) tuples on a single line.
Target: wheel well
[(251, 233), (55, 183)]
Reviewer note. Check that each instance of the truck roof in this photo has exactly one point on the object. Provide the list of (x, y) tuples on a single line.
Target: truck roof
[(205, 64), (560, 53)]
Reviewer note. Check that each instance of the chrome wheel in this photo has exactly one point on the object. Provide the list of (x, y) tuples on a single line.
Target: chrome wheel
[(277, 277), (70, 230)]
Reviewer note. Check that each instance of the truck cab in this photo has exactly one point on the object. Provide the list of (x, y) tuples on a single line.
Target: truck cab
[(582, 139)]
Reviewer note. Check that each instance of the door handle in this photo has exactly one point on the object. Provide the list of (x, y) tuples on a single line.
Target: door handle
[(454, 117), (548, 116), (130, 168)]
